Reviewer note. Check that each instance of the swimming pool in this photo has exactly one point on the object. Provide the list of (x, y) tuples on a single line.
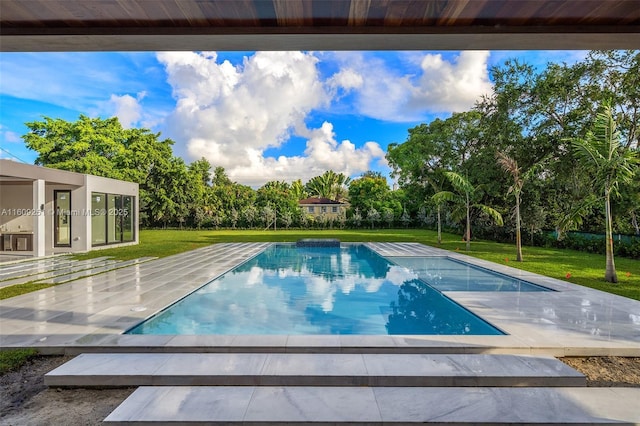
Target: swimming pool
[(320, 290)]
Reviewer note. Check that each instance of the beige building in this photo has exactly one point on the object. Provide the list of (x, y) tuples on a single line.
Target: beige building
[(323, 207), (46, 211)]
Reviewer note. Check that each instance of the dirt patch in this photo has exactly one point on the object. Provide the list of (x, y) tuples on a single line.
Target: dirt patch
[(607, 371), (26, 401)]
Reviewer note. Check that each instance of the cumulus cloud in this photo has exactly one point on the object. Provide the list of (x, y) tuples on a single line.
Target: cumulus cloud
[(232, 114), (323, 152), (452, 86), (382, 91), (127, 108)]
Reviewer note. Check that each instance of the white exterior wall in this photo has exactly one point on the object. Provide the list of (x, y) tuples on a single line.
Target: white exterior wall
[(26, 188), (16, 206)]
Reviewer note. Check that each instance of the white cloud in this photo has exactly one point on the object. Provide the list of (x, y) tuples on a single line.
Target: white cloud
[(452, 86), (9, 136), (127, 109), (232, 114), (395, 90), (323, 152)]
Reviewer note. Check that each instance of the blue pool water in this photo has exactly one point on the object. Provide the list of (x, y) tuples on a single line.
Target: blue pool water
[(445, 274), (342, 290)]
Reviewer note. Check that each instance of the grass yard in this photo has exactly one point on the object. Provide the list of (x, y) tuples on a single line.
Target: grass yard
[(568, 265)]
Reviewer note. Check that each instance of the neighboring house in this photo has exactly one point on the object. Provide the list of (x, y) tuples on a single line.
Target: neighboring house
[(46, 211), (323, 207)]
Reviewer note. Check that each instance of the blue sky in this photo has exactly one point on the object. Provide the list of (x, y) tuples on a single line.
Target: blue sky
[(261, 115)]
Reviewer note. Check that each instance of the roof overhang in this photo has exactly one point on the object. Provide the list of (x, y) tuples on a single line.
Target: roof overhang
[(156, 25)]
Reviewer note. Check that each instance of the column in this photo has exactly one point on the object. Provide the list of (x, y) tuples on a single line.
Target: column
[(39, 219)]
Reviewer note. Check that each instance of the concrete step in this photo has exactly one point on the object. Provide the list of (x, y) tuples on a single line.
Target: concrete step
[(377, 405), (311, 369)]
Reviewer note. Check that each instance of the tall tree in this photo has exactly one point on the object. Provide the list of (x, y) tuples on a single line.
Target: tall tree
[(371, 193), (280, 200), (103, 148), (464, 198), (510, 165), (608, 164)]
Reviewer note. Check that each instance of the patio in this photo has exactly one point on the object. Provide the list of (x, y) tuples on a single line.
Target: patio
[(327, 378), (90, 314)]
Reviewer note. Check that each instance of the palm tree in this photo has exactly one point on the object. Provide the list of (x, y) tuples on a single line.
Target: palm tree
[(329, 185), (609, 164), (462, 200), (298, 190), (510, 165)]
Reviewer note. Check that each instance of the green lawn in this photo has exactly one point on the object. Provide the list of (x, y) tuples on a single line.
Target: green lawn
[(13, 359), (584, 268)]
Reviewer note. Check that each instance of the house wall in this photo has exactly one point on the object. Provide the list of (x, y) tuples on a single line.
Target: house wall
[(16, 207), (329, 214)]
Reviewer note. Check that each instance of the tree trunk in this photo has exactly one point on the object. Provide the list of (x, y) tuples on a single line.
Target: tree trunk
[(634, 222), (610, 272), (518, 235), (468, 232), (439, 227)]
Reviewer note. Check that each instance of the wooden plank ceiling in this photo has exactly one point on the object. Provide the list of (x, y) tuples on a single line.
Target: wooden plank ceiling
[(189, 18)]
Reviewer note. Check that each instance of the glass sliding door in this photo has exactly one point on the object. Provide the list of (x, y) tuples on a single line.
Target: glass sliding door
[(112, 218), (62, 218), (98, 219), (127, 218), (114, 225)]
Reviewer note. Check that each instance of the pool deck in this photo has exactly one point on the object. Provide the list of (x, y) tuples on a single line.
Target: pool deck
[(90, 314)]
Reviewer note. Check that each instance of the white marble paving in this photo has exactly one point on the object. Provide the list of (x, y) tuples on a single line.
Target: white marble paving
[(185, 404), (374, 405), (127, 369)]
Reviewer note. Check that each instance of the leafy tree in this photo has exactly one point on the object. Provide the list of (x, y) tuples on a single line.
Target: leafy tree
[(422, 215), (371, 191), (405, 219), (250, 214), (103, 148), (269, 217), (220, 177), (464, 198), (356, 218), (373, 216), (617, 74), (608, 164), (234, 216), (388, 216), (286, 219), (278, 196)]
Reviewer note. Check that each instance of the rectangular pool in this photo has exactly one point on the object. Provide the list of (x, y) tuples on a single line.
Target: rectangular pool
[(320, 290)]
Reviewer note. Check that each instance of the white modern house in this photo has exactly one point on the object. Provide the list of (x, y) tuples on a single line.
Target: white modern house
[(47, 211)]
